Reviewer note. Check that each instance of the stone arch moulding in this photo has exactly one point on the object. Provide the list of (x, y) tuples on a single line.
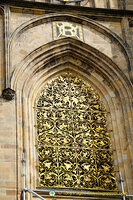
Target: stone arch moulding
[(70, 54), (57, 17)]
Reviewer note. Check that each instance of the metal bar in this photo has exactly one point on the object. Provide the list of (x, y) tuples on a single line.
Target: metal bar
[(72, 192), (23, 174), (89, 195), (129, 195), (86, 193), (31, 191), (122, 185)]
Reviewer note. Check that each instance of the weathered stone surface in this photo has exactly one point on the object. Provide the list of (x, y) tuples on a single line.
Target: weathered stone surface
[(29, 57), (8, 94)]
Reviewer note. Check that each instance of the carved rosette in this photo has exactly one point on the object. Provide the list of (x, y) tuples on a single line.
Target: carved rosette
[(74, 146)]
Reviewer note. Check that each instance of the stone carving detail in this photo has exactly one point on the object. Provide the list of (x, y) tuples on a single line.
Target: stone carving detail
[(67, 29), (8, 94), (74, 146)]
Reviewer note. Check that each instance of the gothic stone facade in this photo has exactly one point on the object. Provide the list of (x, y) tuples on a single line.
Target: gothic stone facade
[(39, 41)]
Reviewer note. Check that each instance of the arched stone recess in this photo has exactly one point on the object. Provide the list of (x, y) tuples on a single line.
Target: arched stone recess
[(23, 40), (48, 61)]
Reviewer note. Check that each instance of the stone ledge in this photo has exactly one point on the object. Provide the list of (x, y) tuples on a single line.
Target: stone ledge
[(63, 8)]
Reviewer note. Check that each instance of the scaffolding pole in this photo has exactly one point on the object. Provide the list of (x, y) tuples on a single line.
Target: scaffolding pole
[(31, 191), (122, 185), (24, 181), (24, 190), (86, 195)]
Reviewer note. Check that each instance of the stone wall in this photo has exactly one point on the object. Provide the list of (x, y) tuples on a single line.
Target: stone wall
[(109, 4), (30, 55)]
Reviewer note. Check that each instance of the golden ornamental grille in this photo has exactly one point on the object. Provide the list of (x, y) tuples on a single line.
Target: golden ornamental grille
[(74, 146)]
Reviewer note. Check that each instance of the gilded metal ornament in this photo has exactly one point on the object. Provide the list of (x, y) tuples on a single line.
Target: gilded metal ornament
[(74, 145), (67, 29)]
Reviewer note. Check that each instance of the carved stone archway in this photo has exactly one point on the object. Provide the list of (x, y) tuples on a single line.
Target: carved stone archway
[(49, 60)]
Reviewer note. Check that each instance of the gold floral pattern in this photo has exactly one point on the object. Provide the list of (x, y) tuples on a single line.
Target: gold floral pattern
[(74, 146)]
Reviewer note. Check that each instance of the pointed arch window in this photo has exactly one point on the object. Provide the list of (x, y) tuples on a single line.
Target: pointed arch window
[(74, 146)]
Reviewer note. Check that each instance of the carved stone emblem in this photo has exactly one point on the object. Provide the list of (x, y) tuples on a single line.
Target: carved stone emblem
[(8, 94), (67, 29)]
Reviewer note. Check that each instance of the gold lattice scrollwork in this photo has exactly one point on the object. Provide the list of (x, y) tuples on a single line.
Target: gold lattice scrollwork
[(67, 29), (74, 146)]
